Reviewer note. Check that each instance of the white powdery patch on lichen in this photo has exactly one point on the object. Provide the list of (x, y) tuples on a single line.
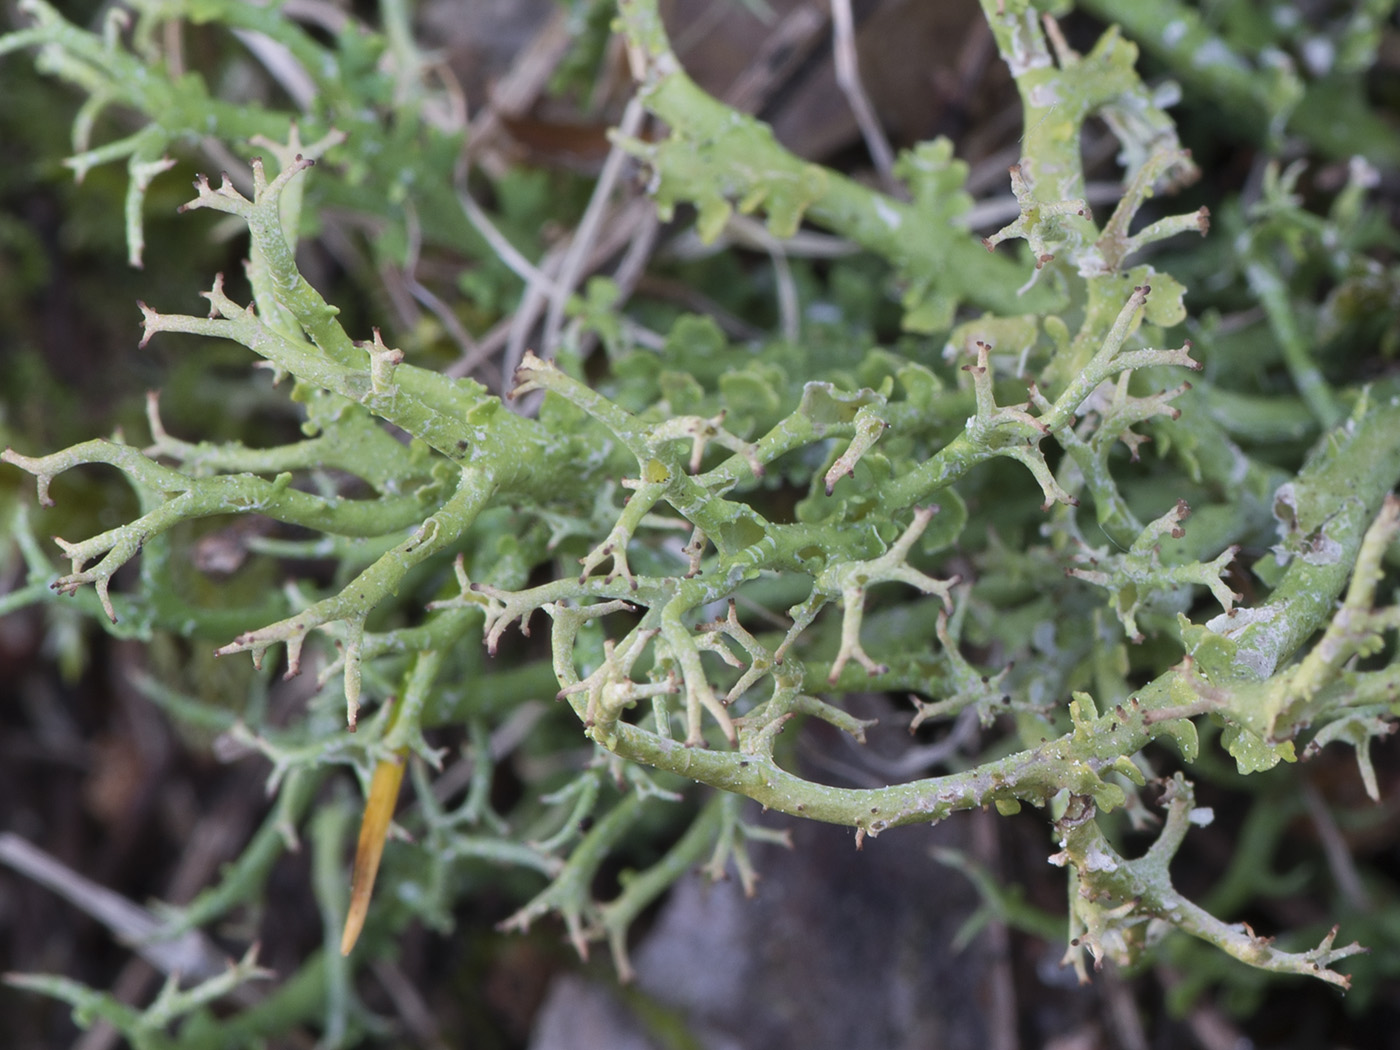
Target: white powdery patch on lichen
[(1317, 548), (1098, 860), (1023, 54), (1321, 549), (1259, 655), (1091, 262)]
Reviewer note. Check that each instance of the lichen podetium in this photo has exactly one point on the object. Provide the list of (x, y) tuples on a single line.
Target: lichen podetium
[(1000, 481)]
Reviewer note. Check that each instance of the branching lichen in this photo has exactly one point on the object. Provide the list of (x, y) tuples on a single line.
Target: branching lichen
[(692, 624)]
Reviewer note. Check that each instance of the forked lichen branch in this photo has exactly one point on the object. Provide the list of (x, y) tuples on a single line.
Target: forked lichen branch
[(778, 477)]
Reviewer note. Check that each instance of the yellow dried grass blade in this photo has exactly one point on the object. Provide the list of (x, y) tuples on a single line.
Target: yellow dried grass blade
[(374, 828)]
